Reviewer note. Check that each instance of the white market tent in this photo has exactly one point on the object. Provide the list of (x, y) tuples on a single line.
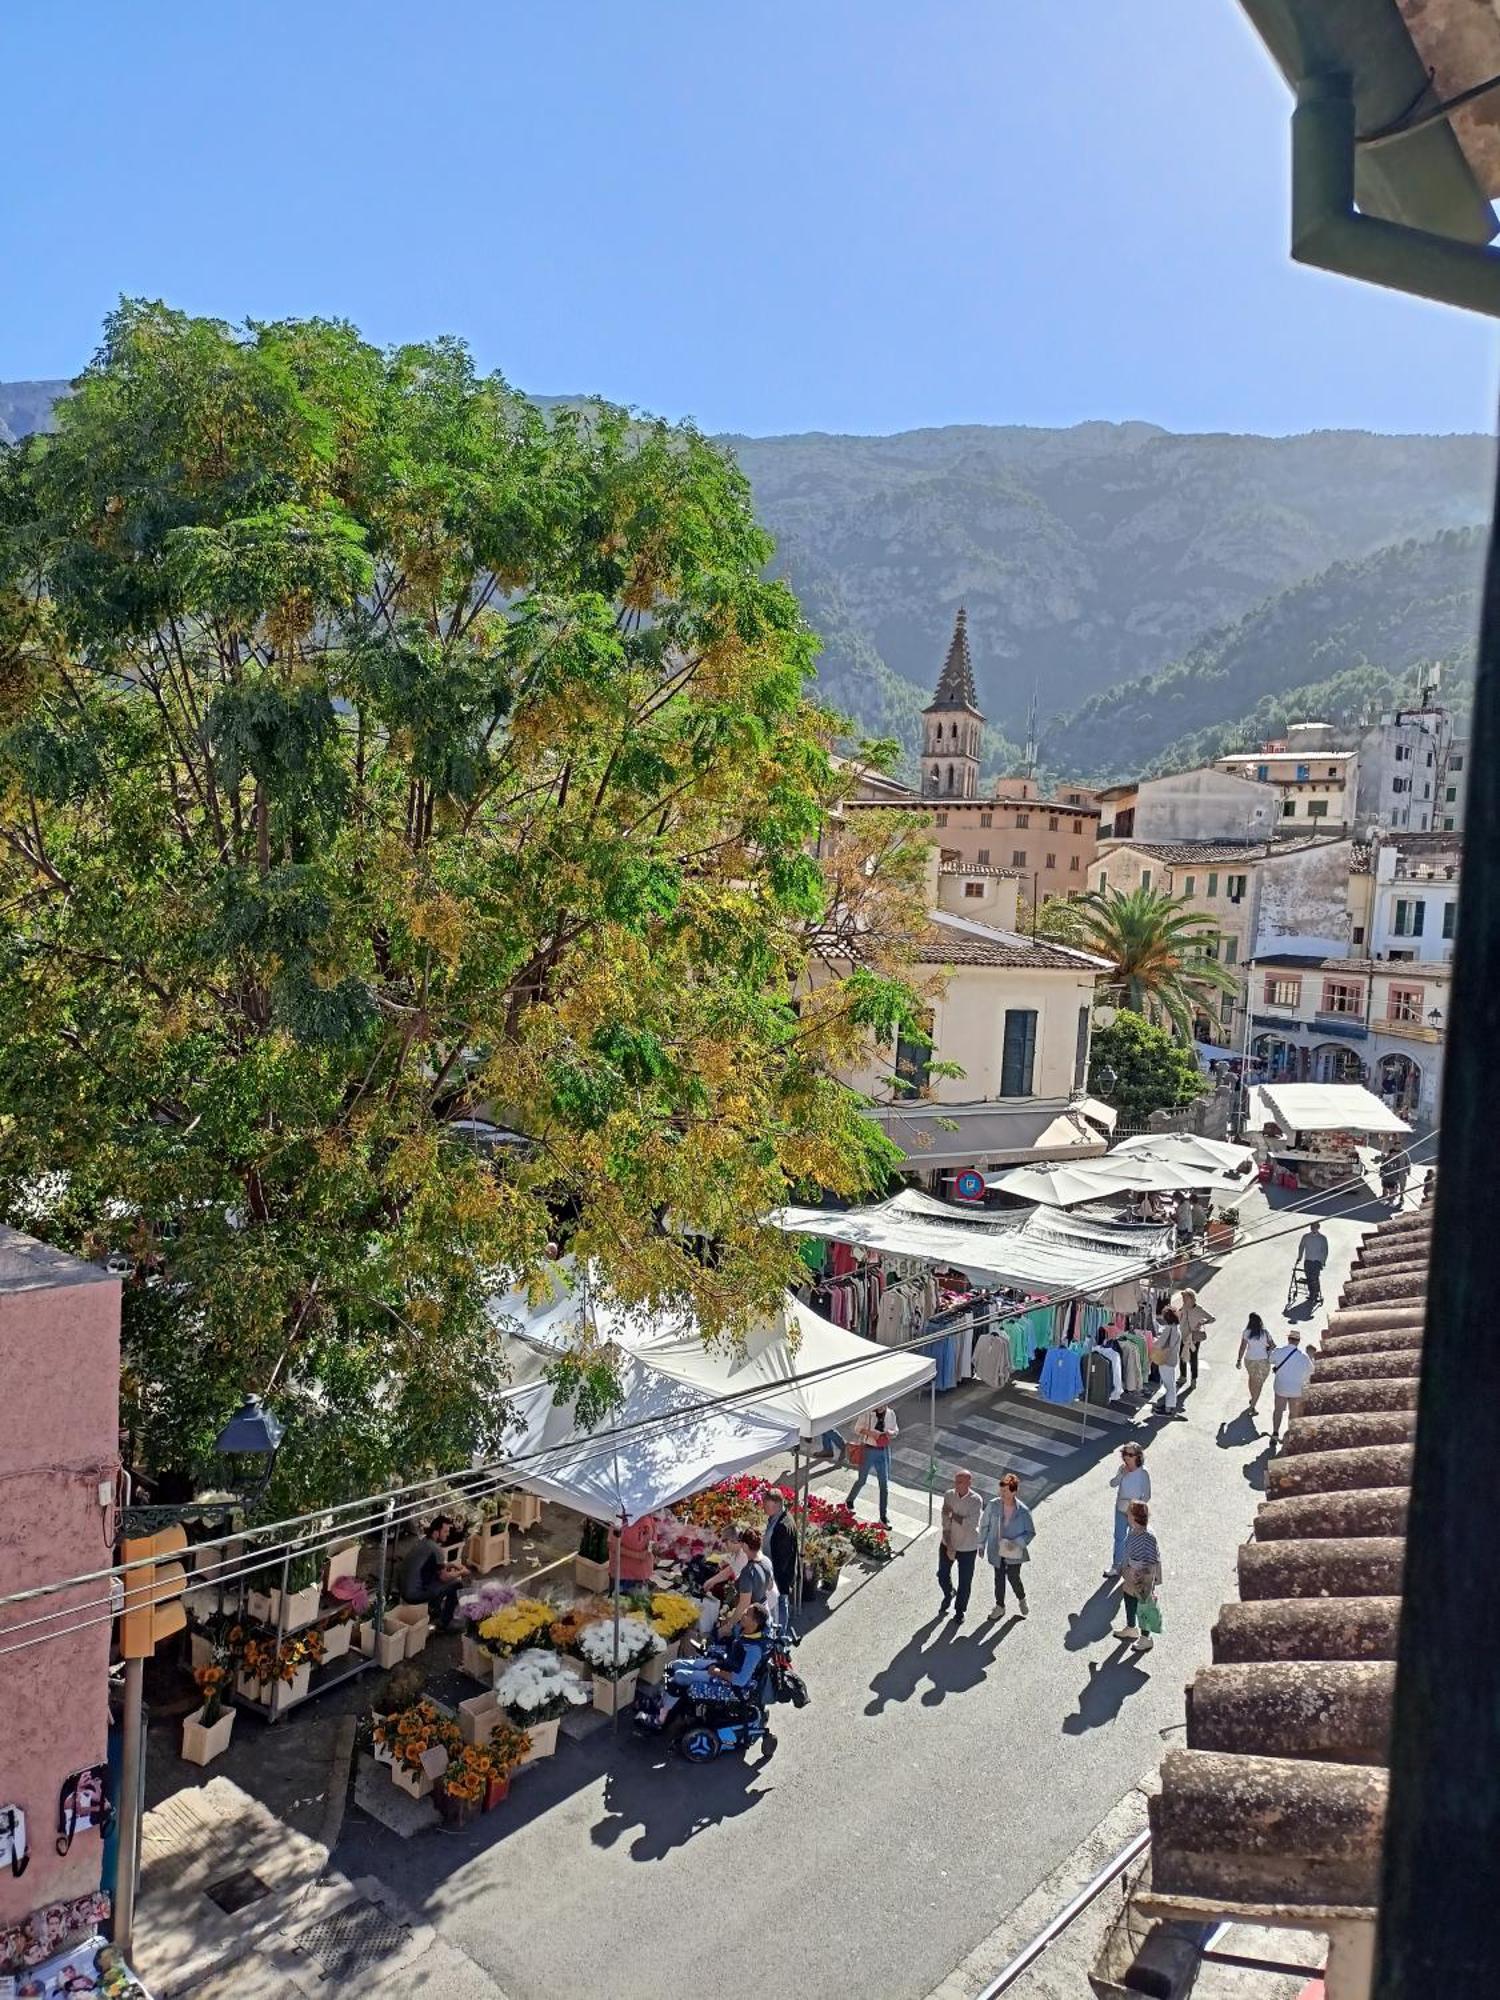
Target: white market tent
[(657, 1447), (1321, 1107)]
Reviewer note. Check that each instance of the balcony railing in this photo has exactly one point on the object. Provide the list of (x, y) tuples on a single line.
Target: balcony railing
[(1411, 1031), (1350, 1026)]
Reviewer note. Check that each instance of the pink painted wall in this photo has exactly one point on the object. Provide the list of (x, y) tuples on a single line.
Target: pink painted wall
[(59, 1436)]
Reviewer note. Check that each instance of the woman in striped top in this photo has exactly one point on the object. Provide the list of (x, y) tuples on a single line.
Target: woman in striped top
[(1140, 1573)]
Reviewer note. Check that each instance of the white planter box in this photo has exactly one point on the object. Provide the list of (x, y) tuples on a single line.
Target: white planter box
[(543, 1739), (591, 1576), (252, 1690), (489, 1549), (611, 1696), (414, 1624), (286, 1694), (525, 1510), (301, 1606), (655, 1668), (258, 1606), (200, 1650), (476, 1662), (477, 1718), (201, 1742), (417, 1784), (336, 1641), (343, 1562)]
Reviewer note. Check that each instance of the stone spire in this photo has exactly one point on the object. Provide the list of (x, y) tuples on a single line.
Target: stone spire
[(955, 688), (952, 725)]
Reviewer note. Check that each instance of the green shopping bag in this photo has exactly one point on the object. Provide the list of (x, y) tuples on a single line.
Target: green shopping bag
[(1148, 1616)]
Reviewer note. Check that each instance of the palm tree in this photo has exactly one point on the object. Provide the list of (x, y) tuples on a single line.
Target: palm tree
[(1156, 946)]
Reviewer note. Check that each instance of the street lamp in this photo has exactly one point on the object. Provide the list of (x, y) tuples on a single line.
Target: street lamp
[(249, 1443), (1434, 1018)]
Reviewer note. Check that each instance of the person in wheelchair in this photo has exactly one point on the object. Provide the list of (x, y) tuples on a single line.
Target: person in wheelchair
[(737, 1679)]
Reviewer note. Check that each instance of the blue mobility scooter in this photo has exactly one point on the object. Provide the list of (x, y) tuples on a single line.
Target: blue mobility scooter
[(703, 1717)]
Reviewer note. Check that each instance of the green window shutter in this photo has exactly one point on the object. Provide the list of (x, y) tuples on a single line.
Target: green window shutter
[(1018, 1054)]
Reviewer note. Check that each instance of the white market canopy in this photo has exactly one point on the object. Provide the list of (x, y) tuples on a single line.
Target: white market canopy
[(657, 1447), (1116, 1173), (1321, 1107), (1036, 1253)]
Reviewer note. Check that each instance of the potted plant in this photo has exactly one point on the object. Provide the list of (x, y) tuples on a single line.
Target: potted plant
[(419, 1742), (507, 1750), (616, 1658), (207, 1732), (591, 1564), (402, 1690), (478, 1602), (823, 1559), (673, 1617), (257, 1668), (489, 1544), (535, 1690), (527, 1621), (1220, 1233)]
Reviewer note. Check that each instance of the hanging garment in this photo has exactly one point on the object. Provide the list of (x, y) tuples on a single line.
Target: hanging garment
[(992, 1360), (1062, 1376)]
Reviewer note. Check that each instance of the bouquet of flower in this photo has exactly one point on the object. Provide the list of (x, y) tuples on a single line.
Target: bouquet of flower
[(505, 1749), (353, 1595), (539, 1687), (212, 1681), (484, 1598), (308, 1648), (522, 1623), (741, 1503), (672, 1614), (637, 1643), (564, 1630), (468, 1774), (258, 1659), (411, 1734), (825, 1555)]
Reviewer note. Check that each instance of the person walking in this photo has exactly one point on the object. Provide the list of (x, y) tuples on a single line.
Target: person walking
[(1196, 1320), (963, 1509), (873, 1433), (1166, 1352), (1256, 1349), (1005, 1532), (1312, 1254), (779, 1543), (1131, 1483), (1140, 1575), (1291, 1371)]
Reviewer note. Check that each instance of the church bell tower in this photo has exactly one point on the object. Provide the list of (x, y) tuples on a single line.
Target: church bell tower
[(952, 725)]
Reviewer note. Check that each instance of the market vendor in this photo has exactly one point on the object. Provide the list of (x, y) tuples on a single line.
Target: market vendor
[(427, 1579), (632, 1553)]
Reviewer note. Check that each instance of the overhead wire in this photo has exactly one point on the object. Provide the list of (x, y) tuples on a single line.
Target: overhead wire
[(379, 1512)]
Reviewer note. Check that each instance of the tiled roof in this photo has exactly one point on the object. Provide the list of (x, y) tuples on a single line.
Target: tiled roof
[(1185, 851), (955, 940), (1277, 1805), (979, 868)]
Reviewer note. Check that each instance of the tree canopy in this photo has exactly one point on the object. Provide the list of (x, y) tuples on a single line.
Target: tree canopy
[(377, 754), (1158, 949), (1140, 1069)]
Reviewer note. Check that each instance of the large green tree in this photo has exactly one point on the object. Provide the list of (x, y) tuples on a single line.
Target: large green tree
[(376, 752), (1158, 950)]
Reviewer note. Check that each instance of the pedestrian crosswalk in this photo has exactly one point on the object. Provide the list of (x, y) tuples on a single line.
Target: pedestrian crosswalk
[(992, 1432)]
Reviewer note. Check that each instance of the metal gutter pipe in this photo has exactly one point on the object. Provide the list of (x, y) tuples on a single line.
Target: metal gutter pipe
[(1328, 231)]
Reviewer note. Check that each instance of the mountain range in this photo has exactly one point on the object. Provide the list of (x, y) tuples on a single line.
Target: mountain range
[(1160, 596)]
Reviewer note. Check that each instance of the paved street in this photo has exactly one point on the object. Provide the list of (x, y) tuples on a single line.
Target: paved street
[(935, 1779)]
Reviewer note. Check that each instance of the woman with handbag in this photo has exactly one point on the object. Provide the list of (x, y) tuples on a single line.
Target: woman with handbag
[(1166, 1352), (1140, 1579), (873, 1434), (1005, 1532)]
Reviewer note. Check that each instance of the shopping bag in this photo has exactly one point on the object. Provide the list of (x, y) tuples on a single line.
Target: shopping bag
[(1148, 1615), (855, 1453)]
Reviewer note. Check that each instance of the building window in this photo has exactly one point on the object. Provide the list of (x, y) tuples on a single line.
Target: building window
[(1081, 1051), (914, 1057), (1404, 1003), (1103, 883), (1450, 919), (940, 819), (1145, 878), (1427, 791), (1213, 884), (1018, 1052), (1074, 864), (1317, 808), (1078, 826), (1456, 761), (973, 888), (1052, 823), (1189, 884), (984, 857), (1341, 997), (1288, 807), (986, 819), (1023, 819), (1231, 951), (1411, 914), (1400, 752), (1333, 769), (1283, 992), (1450, 795), (1018, 857), (1357, 935), (1429, 760), (1448, 825), (1263, 772), (1051, 860), (1236, 885)]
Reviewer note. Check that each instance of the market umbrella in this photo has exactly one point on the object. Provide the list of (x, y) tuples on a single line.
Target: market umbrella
[(1187, 1149), (1065, 1184)]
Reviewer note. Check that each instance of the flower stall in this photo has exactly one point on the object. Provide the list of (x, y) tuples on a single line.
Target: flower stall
[(535, 1691)]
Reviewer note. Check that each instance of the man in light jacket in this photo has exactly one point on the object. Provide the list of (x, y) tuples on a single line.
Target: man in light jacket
[(1291, 1371), (962, 1509)]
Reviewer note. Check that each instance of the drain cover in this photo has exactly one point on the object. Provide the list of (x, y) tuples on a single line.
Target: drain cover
[(352, 1941), (237, 1892)]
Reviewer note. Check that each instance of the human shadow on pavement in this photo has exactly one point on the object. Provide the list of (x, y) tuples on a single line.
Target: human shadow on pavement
[(1236, 1432), (672, 1801), (1086, 1627), (1104, 1694), (1253, 1471), (951, 1658)]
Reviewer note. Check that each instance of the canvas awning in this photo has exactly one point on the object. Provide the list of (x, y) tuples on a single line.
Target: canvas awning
[(1187, 1149), (1321, 1107), (980, 1135), (1097, 1113)]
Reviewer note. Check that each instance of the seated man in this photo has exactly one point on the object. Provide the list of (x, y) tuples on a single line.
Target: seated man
[(737, 1680), (427, 1579)]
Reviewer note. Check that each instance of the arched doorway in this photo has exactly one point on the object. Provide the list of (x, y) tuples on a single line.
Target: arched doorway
[(1399, 1080), (1277, 1054), (1332, 1062)]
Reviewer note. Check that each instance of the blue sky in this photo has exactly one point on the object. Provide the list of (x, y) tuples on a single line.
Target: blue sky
[(771, 215)]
